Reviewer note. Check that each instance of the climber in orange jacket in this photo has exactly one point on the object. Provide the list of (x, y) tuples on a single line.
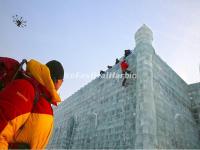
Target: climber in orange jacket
[(22, 121)]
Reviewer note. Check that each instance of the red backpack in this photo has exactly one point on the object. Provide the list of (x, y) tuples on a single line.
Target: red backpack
[(11, 69)]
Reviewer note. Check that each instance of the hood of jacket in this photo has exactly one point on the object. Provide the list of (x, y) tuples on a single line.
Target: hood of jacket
[(42, 74)]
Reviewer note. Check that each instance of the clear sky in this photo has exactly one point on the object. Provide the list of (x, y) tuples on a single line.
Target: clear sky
[(87, 35)]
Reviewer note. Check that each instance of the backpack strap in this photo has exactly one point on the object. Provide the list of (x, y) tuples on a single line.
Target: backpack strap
[(35, 85), (46, 97), (20, 69)]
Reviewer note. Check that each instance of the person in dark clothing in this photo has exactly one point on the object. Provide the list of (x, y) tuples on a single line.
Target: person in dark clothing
[(109, 67), (127, 52), (102, 72), (117, 61)]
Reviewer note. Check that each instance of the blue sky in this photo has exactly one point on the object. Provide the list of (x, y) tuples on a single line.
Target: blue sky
[(87, 35)]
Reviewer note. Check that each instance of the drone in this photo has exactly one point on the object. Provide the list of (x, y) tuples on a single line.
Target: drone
[(19, 21)]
